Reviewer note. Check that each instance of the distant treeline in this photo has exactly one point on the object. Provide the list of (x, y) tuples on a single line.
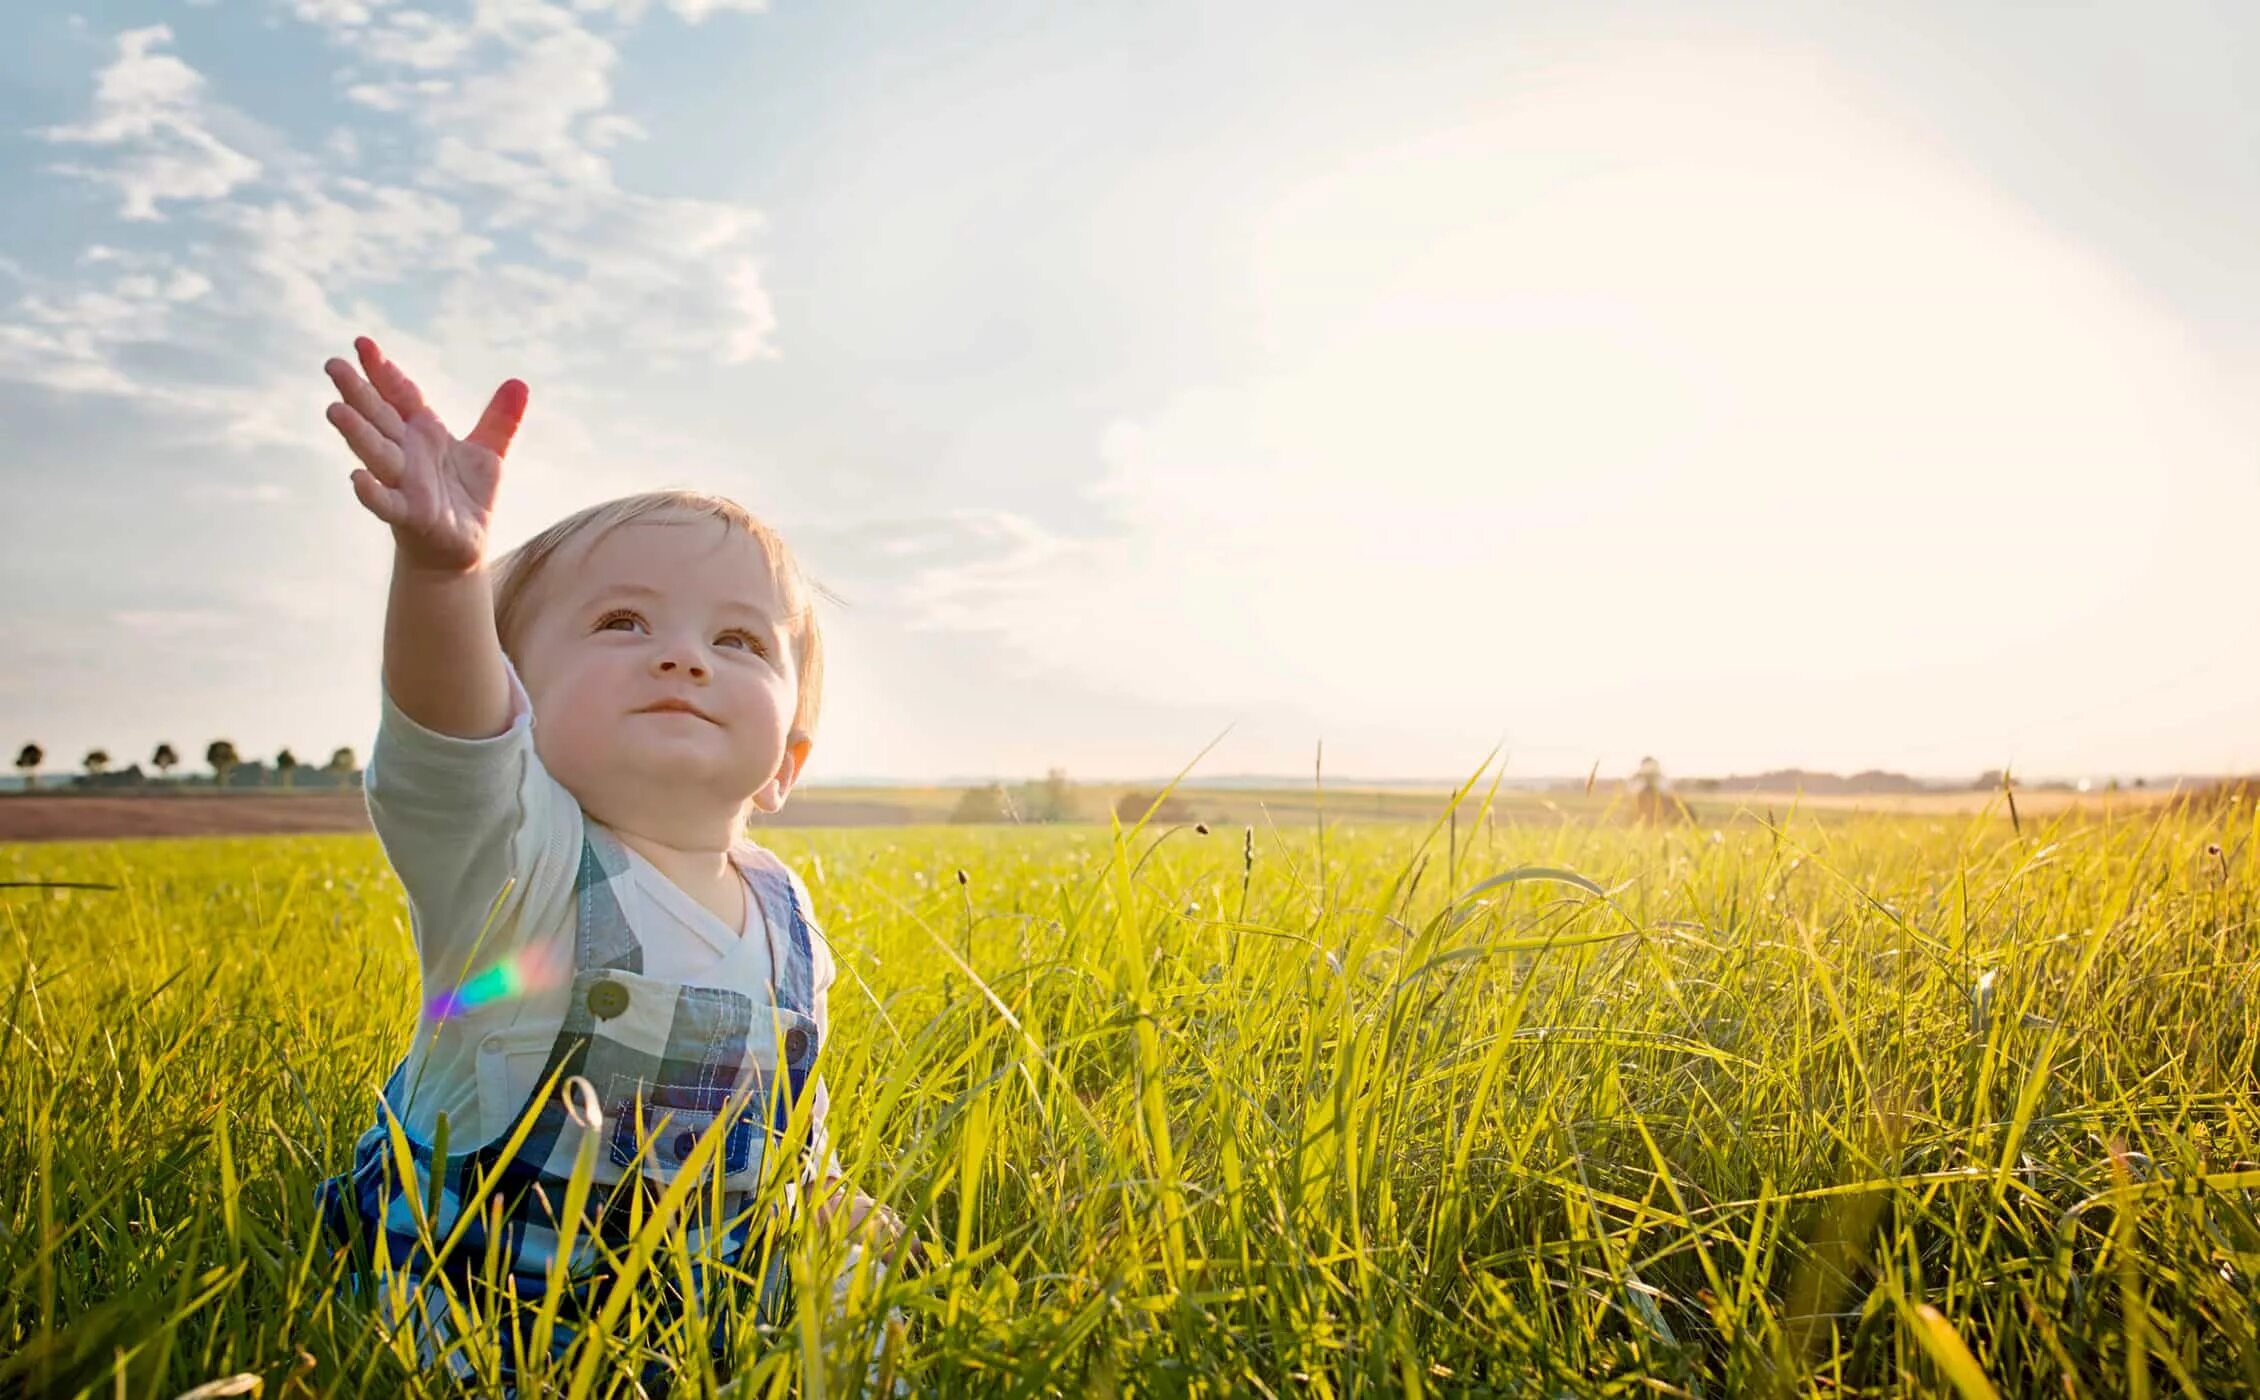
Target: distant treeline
[(1873, 780), (229, 770), (1055, 799)]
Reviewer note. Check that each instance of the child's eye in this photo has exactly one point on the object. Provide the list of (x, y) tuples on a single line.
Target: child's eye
[(604, 624)]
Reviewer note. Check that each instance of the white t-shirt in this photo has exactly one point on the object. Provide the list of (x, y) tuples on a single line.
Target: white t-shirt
[(461, 818)]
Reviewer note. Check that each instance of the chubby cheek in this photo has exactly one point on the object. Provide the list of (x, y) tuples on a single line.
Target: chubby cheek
[(578, 731)]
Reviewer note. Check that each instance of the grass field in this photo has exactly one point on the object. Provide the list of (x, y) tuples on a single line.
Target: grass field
[(1870, 1106)]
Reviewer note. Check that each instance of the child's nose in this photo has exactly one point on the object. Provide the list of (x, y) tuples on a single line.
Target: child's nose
[(693, 667)]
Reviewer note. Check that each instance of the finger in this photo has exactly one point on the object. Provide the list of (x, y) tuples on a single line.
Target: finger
[(500, 422), (398, 389), (365, 400), (381, 500), (377, 452)]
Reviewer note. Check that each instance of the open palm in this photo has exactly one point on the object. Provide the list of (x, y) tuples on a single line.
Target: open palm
[(435, 490)]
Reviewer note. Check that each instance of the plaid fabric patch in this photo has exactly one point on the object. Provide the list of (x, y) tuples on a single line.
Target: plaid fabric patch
[(723, 1254), (668, 1063)]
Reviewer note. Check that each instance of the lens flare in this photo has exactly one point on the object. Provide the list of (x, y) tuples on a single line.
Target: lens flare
[(506, 979)]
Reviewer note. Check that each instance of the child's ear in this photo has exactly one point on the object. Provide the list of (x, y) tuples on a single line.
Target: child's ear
[(772, 795)]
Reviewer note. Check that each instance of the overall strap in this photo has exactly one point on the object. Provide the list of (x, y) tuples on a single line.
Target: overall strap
[(795, 972), (792, 971), (602, 937)]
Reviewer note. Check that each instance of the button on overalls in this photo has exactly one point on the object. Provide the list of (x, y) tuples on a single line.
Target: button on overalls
[(667, 1062)]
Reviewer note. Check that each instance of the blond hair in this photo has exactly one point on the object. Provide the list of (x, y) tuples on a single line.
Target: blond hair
[(515, 574)]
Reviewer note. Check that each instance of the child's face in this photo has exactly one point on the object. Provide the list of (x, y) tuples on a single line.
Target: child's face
[(711, 631)]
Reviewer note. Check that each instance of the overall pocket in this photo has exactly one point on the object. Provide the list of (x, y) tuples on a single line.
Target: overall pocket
[(656, 1131), (510, 1065)]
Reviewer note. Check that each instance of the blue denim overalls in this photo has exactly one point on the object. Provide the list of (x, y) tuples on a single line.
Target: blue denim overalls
[(664, 1062)]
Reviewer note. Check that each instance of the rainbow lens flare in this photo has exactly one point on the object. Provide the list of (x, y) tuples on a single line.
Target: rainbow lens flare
[(498, 983)]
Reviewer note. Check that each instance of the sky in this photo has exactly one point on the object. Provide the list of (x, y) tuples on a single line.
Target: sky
[(1753, 386)]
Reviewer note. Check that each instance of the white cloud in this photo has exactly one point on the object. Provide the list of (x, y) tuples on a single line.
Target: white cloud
[(609, 129), (693, 11), (379, 97), (53, 361), (417, 39), (338, 12), (1623, 409), (1002, 560), (68, 336), (510, 105), (151, 104), (551, 75), (357, 233), (697, 10), (516, 106)]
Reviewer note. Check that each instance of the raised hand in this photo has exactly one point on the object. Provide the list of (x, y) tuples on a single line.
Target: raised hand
[(436, 491)]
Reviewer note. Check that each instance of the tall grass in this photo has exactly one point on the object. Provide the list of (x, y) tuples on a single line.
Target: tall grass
[(1885, 1106)]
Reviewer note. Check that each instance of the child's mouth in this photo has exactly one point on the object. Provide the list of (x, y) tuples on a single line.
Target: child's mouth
[(675, 708)]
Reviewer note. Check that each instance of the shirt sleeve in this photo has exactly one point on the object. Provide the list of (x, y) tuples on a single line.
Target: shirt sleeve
[(464, 822)]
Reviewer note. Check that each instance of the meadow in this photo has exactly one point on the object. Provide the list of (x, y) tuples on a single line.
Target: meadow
[(1877, 1105)]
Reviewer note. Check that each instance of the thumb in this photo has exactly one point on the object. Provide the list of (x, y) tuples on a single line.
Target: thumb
[(500, 422)]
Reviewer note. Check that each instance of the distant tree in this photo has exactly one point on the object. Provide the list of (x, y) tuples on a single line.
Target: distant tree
[(165, 759), (342, 763), (221, 755), (286, 763), (28, 758), (1052, 800), (1652, 799), (97, 760), (1130, 806), (985, 804)]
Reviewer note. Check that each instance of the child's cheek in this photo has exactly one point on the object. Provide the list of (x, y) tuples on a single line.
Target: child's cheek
[(573, 737)]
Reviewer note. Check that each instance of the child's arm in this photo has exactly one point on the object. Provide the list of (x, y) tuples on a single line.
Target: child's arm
[(456, 792), (443, 662)]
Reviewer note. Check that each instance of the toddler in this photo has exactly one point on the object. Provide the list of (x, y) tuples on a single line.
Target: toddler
[(614, 976)]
